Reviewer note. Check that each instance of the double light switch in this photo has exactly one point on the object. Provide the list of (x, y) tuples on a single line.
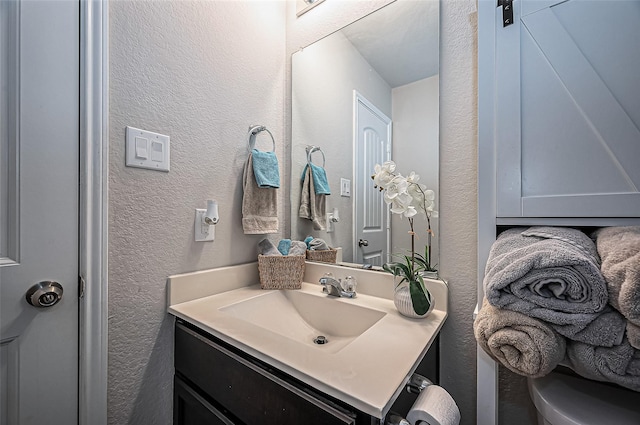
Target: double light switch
[(146, 149)]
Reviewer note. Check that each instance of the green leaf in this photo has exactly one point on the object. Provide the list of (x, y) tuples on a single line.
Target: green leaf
[(397, 269), (420, 297)]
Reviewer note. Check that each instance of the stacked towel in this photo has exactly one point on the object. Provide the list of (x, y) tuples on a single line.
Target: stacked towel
[(619, 248), (619, 364), (265, 169), (312, 205), (298, 248), (285, 247), (525, 345), (553, 274), (259, 205), (266, 247), (317, 244)]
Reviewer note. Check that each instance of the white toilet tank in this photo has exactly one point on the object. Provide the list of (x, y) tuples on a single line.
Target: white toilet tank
[(562, 399)]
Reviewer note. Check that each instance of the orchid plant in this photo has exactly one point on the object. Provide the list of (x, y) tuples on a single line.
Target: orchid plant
[(409, 198)]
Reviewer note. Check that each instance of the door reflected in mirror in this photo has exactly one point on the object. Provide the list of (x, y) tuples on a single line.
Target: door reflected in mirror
[(363, 95)]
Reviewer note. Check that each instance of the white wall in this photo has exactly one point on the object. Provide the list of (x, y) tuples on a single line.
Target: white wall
[(415, 148), (201, 72)]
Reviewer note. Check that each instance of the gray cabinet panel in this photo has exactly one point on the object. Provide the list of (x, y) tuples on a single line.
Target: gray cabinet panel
[(568, 110)]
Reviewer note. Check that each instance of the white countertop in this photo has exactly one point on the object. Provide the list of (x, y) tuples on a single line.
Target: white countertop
[(368, 373)]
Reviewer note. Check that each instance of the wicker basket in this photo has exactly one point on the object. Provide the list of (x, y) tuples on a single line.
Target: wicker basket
[(281, 272), (325, 255)]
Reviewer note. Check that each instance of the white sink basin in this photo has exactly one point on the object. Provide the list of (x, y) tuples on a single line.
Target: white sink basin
[(303, 316), (372, 350)]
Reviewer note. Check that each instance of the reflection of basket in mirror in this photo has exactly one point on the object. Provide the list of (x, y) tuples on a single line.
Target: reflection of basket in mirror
[(281, 272), (325, 256)]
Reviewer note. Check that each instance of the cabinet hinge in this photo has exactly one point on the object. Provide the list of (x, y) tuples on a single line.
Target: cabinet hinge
[(81, 285), (507, 12)]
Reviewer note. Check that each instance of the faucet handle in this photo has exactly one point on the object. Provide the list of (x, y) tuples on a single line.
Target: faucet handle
[(349, 284)]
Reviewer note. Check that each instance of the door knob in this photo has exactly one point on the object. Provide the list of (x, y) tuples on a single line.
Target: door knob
[(44, 294), (363, 242)]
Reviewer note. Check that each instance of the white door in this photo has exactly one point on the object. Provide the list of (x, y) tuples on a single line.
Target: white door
[(39, 52), (568, 109), (372, 145)]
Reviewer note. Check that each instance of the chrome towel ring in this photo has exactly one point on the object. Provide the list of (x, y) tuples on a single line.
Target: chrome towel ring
[(253, 132), (312, 149)]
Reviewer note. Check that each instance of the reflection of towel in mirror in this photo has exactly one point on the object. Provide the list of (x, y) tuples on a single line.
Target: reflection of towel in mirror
[(318, 244), (312, 206), (320, 182), (259, 206)]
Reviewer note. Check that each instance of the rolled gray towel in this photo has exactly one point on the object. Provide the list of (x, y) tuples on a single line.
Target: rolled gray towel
[(619, 364), (298, 248), (318, 244), (633, 335), (524, 345), (549, 273), (619, 248), (266, 247)]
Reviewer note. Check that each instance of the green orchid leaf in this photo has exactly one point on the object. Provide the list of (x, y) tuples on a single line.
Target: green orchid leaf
[(421, 301), (397, 269)]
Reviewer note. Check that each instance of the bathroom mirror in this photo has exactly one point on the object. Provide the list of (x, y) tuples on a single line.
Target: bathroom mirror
[(376, 77)]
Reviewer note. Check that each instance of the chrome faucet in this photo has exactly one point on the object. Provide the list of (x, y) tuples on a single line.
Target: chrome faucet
[(339, 288)]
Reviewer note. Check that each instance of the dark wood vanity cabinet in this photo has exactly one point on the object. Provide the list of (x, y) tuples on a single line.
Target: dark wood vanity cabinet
[(216, 383)]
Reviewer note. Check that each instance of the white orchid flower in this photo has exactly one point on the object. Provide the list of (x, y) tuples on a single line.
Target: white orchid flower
[(383, 174), (413, 177)]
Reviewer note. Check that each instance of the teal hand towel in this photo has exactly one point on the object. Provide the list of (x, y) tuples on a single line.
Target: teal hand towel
[(284, 246), (320, 182), (265, 169)]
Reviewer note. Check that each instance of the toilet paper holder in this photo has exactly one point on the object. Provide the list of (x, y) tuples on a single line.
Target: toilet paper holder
[(415, 385)]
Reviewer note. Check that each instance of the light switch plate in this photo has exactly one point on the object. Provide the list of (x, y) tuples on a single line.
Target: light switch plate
[(145, 149), (345, 187), (203, 232)]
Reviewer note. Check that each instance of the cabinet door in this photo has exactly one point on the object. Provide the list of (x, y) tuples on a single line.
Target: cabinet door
[(252, 394), (567, 109)]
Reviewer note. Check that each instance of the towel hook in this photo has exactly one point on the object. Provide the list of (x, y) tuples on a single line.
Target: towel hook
[(312, 149), (253, 132)]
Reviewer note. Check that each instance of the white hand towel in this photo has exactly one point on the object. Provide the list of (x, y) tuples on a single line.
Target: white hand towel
[(259, 205)]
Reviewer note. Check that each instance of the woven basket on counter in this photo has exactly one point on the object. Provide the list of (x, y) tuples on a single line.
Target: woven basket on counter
[(281, 272), (325, 255)]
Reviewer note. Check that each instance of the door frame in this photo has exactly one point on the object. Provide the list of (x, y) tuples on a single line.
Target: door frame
[(93, 214)]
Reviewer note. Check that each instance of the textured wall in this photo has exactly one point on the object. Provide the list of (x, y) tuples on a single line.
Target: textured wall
[(201, 72), (458, 198)]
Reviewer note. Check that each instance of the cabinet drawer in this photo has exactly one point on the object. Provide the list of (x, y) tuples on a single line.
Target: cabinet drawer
[(248, 391), (190, 408)]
